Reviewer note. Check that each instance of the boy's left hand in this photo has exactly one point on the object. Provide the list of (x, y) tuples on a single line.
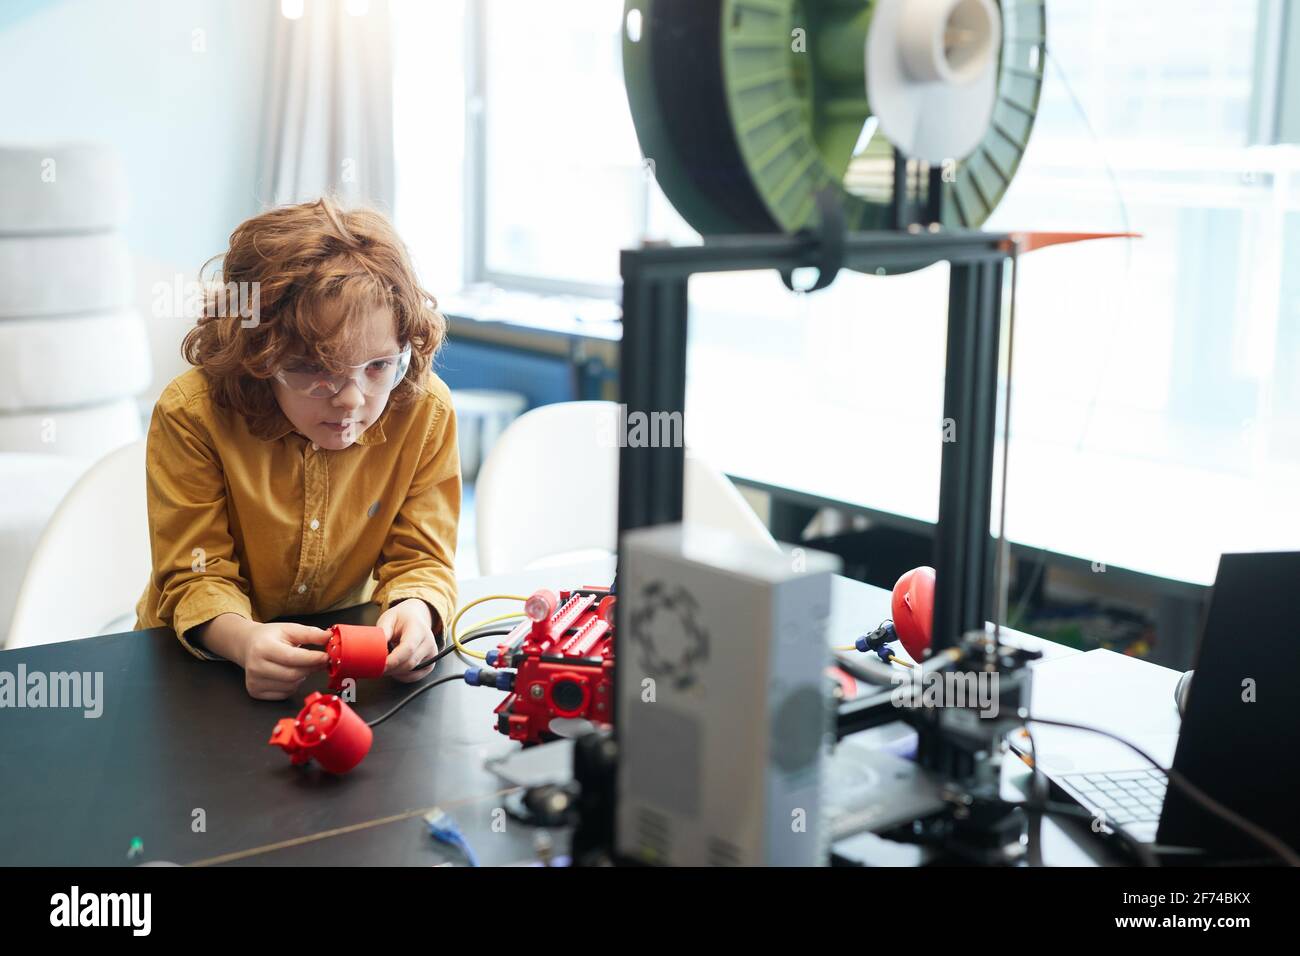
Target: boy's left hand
[(411, 622)]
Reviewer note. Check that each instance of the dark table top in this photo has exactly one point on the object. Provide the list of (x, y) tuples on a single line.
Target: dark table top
[(178, 735)]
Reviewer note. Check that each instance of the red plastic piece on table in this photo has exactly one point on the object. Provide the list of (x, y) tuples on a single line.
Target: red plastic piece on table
[(913, 611), (356, 651), (326, 729)]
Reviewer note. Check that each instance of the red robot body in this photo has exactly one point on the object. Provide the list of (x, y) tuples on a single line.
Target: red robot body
[(564, 661)]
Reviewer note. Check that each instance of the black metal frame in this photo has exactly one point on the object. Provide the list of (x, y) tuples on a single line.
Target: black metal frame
[(903, 212), (653, 380)]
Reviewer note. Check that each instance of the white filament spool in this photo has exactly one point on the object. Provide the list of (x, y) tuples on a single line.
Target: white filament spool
[(932, 71)]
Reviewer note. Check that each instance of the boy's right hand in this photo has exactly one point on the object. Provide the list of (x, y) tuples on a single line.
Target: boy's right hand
[(275, 660)]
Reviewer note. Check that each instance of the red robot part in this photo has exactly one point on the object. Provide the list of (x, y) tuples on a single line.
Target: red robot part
[(326, 729), (356, 651), (565, 617), (540, 605), (563, 663), (912, 606)]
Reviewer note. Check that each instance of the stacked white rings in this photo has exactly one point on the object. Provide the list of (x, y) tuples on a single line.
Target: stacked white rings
[(73, 350)]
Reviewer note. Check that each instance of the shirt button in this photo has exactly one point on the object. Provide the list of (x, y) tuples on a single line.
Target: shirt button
[(314, 524), (315, 447), (302, 589)]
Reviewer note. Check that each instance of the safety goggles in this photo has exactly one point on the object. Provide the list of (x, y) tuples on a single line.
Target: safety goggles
[(307, 377)]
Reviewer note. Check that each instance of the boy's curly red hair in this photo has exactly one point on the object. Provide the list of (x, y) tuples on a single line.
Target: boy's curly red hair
[(314, 267)]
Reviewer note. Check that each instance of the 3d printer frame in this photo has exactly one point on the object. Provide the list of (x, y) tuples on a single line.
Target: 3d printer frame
[(653, 380)]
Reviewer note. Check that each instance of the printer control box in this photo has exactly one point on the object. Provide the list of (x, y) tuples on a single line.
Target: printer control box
[(722, 712)]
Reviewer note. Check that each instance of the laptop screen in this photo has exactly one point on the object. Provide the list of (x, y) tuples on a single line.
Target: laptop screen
[(1240, 739)]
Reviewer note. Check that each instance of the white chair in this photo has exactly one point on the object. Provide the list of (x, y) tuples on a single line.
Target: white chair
[(31, 487), (481, 416), (548, 492), (92, 560)]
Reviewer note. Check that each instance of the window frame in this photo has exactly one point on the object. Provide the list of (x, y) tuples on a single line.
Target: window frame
[(477, 271)]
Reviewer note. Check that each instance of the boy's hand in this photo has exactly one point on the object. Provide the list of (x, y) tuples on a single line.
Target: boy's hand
[(275, 660), (411, 622)]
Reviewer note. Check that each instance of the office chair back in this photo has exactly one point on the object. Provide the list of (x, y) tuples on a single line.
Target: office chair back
[(548, 492), (92, 560)]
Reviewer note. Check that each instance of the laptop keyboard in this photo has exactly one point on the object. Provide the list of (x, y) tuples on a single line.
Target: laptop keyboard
[(1125, 797)]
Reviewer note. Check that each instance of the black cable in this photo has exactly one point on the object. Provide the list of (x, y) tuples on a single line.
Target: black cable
[(1195, 793), (475, 635), (1038, 791), (1039, 806), (469, 661), (411, 696), (1142, 850), (472, 636)]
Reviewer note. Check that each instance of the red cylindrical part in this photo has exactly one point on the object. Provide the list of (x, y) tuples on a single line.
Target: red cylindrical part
[(356, 651), (326, 730), (541, 604), (913, 609)]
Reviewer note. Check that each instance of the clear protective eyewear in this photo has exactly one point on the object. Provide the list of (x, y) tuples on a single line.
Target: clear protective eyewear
[(306, 377)]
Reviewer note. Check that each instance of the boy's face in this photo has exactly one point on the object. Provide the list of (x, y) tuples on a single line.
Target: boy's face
[(335, 422)]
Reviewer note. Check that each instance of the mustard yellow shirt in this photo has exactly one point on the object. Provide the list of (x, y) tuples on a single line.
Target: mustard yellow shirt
[(277, 527)]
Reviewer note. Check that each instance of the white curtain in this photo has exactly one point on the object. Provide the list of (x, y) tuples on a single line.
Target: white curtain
[(328, 120)]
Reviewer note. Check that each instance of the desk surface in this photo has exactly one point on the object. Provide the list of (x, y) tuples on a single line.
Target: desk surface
[(178, 735)]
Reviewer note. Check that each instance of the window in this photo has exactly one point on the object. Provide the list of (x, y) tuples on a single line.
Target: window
[(567, 189), (429, 109), (1145, 125), (1156, 418), (1172, 361)]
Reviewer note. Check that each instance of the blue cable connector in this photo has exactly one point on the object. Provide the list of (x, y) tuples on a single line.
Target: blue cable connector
[(444, 829), (877, 642), (487, 677)]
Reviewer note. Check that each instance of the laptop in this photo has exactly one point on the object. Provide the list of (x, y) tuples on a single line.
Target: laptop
[(1239, 739)]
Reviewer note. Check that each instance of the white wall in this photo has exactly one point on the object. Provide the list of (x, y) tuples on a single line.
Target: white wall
[(177, 86)]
